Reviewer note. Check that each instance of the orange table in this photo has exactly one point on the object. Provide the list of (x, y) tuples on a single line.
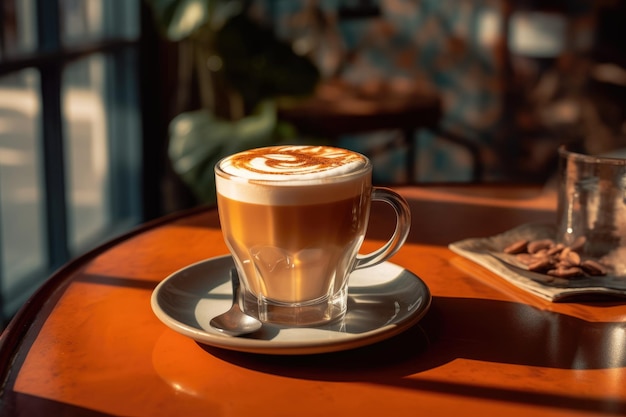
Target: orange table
[(89, 344)]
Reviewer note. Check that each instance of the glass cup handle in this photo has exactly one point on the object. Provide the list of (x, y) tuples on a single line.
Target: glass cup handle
[(403, 225)]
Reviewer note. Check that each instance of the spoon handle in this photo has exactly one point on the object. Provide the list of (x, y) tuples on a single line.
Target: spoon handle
[(234, 279)]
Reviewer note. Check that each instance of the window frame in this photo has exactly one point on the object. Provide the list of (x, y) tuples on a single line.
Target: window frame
[(49, 58)]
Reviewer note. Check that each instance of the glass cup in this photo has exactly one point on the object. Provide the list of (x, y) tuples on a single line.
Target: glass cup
[(294, 218), (592, 207)]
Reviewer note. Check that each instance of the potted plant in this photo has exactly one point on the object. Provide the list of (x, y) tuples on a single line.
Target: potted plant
[(240, 69)]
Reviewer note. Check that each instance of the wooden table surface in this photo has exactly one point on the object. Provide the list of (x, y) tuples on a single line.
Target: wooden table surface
[(88, 343)]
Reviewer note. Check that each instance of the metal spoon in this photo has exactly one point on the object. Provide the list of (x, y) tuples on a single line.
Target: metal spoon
[(235, 322)]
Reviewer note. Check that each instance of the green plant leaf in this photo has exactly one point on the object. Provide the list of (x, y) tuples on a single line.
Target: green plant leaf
[(259, 65), (178, 19), (198, 140)]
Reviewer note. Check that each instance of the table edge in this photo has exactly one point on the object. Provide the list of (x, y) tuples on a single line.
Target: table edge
[(13, 336)]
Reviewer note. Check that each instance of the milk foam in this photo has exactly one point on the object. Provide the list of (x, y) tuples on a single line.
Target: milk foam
[(293, 175)]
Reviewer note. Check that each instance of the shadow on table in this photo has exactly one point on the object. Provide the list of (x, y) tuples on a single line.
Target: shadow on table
[(455, 328), (19, 404), (483, 330)]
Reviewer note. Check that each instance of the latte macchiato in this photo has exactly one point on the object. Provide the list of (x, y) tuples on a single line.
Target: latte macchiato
[(294, 218)]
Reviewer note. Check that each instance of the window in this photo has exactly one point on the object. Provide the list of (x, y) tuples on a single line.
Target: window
[(70, 134)]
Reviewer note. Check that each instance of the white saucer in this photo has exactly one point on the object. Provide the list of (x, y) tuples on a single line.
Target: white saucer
[(384, 300)]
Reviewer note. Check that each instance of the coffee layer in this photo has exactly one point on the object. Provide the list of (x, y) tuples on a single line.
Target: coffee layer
[(294, 253)]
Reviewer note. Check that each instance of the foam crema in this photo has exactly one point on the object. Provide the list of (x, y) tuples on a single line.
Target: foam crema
[(292, 174)]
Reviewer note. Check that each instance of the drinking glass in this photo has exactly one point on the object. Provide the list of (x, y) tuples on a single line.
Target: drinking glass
[(592, 206)]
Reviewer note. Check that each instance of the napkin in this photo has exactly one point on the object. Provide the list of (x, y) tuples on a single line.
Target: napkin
[(488, 252)]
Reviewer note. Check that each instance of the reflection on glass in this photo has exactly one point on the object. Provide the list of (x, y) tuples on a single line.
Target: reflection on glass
[(86, 151), (19, 33), (22, 227), (94, 20)]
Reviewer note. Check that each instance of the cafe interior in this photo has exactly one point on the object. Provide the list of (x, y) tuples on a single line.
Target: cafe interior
[(113, 114), (485, 91)]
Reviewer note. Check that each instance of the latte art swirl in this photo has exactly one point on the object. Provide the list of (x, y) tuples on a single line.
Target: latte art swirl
[(292, 161)]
